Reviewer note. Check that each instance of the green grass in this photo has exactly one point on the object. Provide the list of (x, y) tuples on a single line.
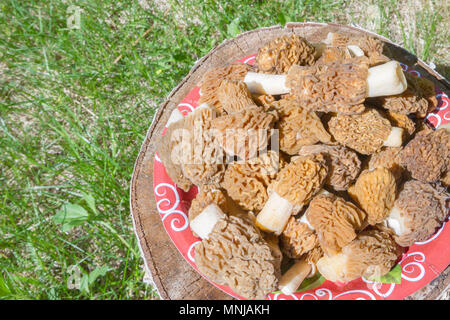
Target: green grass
[(75, 105)]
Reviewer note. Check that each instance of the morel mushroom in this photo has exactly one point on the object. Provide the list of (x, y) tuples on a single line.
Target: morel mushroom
[(244, 133), (172, 140), (247, 182), (213, 78), (236, 254), (427, 156), (366, 133), (297, 238), (372, 254), (368, 46), (332, 86), (344, 164), (200, 154), (335, 221), (402, 121), (298, 127), (234, 96), (389, 158), (375, 191), (294, 186), (419, 98), (418, 211), (278, 55)]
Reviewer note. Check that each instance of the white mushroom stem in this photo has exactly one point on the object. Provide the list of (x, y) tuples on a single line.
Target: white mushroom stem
[(333, 268), (275, 214), (355, 50), (383, 80), (262, 83), (396, 222), (395, 138), (293, 278), (204, 223), (386, 80)]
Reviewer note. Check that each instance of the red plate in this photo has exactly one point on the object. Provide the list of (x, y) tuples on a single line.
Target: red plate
[(420, 264)]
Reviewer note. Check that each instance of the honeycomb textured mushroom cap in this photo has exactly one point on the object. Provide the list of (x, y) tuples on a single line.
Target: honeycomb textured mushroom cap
[(335, 221), (202, 157), (205, 197), (313, 256), (423, 208), (364, 133), (234, 96), (297, 239), (332, 87), (244, 133), (213, 78), (278, 55), (419, 98), (389, 158), (427, 156), (402, 121), (298, 127), (344, 164), (264, 100), (170, 141), (332, 54), (247, 182), (372, 254), (375, 192), (301, 179), (236, 254), (372, 47)]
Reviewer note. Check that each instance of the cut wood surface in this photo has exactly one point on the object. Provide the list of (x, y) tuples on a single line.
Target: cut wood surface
[(172, 276)]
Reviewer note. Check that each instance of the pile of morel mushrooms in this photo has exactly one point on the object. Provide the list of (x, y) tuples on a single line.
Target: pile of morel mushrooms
[(358, 176)]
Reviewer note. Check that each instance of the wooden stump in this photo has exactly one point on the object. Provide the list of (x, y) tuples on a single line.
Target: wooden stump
[(173, 277)]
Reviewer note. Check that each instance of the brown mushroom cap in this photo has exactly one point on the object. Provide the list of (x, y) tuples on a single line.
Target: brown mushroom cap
[(278, 55), (298, 127), (423, 208), (204, 198), (372, 47), (297, 239), (236, 254), (419, 98), (332, 87), (332, 54), (170, 141), (244, 133), (375, 191), (234, 96), (364, 132), (301, 179), (335, 221), (246, 183), (344, 165), (213, 78), (372, 254), (389, 158), (202, 157), (427, 156), (402, 121)]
